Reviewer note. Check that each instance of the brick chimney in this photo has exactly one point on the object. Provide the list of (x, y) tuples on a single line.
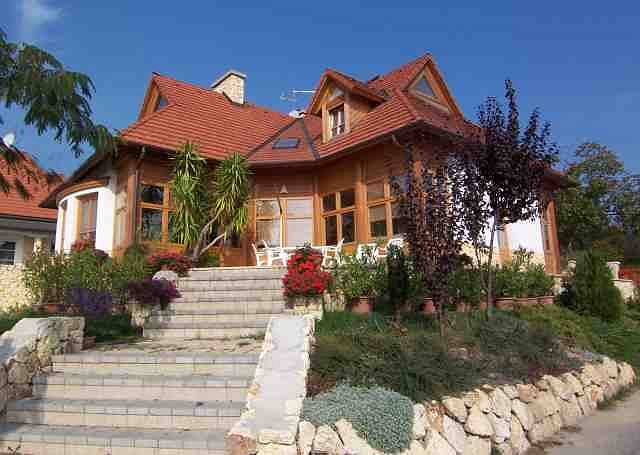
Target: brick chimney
[(231, 84)]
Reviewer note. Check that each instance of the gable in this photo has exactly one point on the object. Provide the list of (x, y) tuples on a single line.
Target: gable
[(429, 85)]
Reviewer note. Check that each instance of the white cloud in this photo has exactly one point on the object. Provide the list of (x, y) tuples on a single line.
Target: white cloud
[(35, 14)]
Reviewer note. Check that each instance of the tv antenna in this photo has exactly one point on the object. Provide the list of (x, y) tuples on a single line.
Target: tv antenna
[(292, 95)]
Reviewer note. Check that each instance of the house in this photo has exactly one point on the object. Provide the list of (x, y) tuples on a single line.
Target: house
[(318, 178), (24, 226)]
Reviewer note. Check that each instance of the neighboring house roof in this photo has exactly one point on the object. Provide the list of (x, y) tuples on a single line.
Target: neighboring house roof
[(26, 175), (207, 118)]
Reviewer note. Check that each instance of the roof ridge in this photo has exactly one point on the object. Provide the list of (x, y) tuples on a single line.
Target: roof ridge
[(149, 117), (424, 56), (270, 138)]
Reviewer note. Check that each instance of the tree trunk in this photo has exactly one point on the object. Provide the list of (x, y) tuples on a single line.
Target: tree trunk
[(490, 270)]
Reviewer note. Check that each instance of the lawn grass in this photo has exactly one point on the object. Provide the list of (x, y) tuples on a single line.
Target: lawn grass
[(411, 358)]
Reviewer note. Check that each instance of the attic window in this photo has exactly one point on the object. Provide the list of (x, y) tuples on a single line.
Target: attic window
[(162, 102), (423, 87), (286, 143), (336, 119)]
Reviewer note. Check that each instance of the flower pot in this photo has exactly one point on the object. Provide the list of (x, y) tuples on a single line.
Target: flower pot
[(361, 305), (504, 303), (520, 302), (51, 308), (545, 300), (139, 313), (461, 307), (428, 306), (483, 305)]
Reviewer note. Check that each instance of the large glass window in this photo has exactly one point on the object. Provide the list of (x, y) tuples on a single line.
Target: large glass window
[(87, 214), (339, 216), (268, 222), (287, 222), (155, 213), (383, 210), (7, 252), (298, 221), (377, 221)]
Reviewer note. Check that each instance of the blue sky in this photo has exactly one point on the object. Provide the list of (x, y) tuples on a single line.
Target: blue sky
[(577, 61)]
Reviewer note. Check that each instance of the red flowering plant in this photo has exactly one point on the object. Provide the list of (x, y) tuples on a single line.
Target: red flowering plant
[(305, 277), (175, 262)]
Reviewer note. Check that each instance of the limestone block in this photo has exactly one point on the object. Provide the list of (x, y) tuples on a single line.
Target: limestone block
[(455, 407), (542, 384), (573, 383), (587, 375), (501, 428), (3, 376), (477, 423), (476, 445), (477, 398), (435, 444), (518, 440), (559, 388), (277, 449), (570, 412), (610, 388), (327, 441), (351, 441), (504, 449), (543, 406), (510, 391), (501, 403), (596, 395), (523, 413), (435, 414), (526, 392), (541, 430), (306, 433), (587, 406), (454, 433), (610, 367), (419, 421)]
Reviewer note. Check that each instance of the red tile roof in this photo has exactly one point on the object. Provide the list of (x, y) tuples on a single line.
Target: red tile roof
[(35, 181), (399, 77), (209, 119), (349, 83), (306, 130)]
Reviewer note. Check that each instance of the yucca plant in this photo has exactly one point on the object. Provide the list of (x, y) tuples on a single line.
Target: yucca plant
[(231, 193), (189, 192)]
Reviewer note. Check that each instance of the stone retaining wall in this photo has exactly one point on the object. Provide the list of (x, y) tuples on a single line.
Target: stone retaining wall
[(27, 348), (13, 293), (508, 418), (269, 424)]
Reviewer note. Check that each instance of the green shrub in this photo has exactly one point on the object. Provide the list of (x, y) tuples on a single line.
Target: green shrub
[(465, 285), (382, 417), (358, 276), (209, 259), (590, 289), (45, 275)]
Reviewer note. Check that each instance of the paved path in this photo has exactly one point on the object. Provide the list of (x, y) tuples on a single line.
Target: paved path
[(613, 431)]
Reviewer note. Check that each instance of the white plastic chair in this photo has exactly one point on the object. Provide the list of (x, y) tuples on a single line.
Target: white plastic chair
[(261, 256), (276, 254), (332, 254), (368, 250)]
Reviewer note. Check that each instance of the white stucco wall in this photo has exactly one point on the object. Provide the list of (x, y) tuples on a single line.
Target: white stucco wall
[(104, 219), (526, 234)]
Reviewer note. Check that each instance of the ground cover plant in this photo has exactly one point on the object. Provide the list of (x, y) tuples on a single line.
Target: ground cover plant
[(411, 357)]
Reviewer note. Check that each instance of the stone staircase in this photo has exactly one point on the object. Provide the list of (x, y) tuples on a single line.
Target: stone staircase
[(171, 396)]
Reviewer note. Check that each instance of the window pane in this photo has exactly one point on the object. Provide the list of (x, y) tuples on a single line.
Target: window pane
[(348, 227), (399, 224), (267, 208), (88, 213), (424, 87), (329, 202), (347, 198), (7, 253), (152, 194), (269, 231), (151, 224), (377, 221), (375, 191), (331, 230), (299, 231), (298, 208)]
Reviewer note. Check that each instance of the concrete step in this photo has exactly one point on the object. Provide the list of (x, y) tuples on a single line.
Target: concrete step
[(230, 307), (126, 414), (227, 296), (193, 317), (234, 273), (163, 363), (201, 387), (201, 330), (82, 440), (229, 285)]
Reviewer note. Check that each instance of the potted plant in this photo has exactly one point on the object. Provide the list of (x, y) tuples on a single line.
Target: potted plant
[(356, 278), (541, 284), (305, 282), (505, 288), (147, 294)]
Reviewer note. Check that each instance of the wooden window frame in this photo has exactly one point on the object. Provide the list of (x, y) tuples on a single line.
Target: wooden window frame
[(120, 211), (165, 208), (339, 211), (63, 221), (330, 110), (81, 200), (388, 200), (268, 218)]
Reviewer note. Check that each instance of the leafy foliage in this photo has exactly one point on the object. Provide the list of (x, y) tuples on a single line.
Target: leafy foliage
[(54, 98), (176, 262), (153, 292), (382, 417), (590, 289), (305, 277), (358, 276), (90, 303), (189, 191)]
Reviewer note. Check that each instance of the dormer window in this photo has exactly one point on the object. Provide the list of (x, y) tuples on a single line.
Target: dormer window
[(336, 117), (424, 88)]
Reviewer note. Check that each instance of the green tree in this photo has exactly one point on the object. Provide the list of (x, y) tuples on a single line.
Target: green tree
[(53, 98), (189, 192)]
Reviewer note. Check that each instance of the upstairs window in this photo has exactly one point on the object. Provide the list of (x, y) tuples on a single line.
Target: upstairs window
[(336, 117), (424, 88), (88, 212)]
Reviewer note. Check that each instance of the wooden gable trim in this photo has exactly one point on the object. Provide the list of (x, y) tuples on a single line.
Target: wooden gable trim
[(151, 97), (81, 186), (444, 97)]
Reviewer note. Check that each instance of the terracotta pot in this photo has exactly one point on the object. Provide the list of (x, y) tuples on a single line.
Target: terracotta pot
[(545, 300), (483, 305), (461, 307), (520, 302), (504, 303), (428, 306), (52, 308), (361, 305)]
